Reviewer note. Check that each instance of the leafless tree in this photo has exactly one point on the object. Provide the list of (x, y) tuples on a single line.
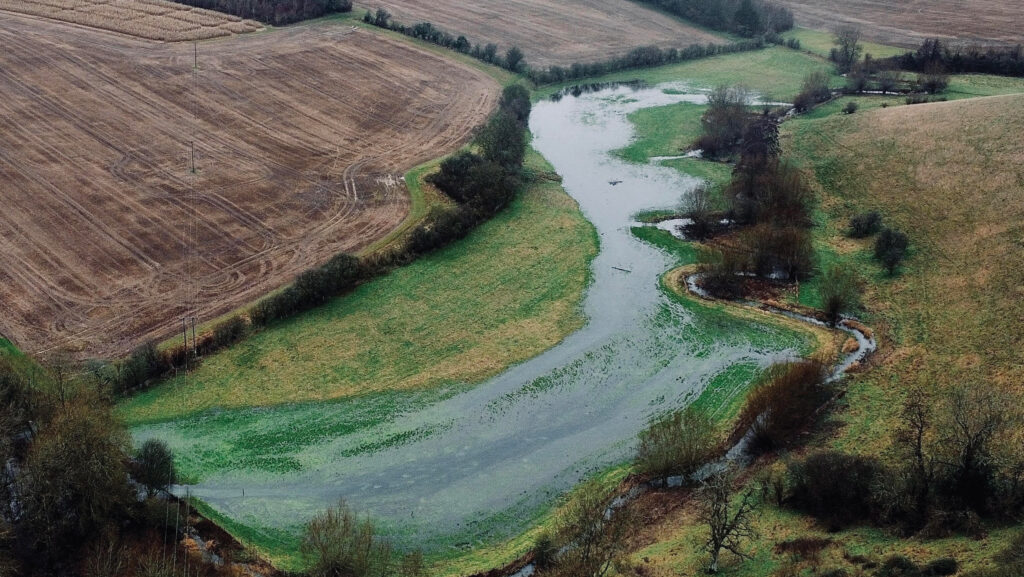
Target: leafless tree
[(728, 519)]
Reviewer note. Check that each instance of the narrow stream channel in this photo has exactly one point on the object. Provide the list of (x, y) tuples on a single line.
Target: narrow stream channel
[(481, 462)]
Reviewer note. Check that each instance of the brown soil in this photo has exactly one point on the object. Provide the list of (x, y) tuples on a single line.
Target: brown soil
[(908, 23), (301, 136), (552, 31), (153, 19)]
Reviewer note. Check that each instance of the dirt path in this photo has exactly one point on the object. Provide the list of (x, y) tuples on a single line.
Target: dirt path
[(108, 238)]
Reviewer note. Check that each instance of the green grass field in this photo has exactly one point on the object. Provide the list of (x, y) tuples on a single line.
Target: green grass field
[(776, 73), (821, 43), (460, 315)]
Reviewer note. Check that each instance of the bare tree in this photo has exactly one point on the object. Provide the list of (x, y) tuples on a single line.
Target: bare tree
[(591, 532), (848, 48), (697, 207), (729, 520)]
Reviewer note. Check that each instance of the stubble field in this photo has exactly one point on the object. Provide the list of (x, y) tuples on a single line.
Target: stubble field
[(552, 31), (301, 137), (907, 24), (152, 19)]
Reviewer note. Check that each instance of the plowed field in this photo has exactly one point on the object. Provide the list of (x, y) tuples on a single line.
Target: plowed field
[(301, 135), (153, 19), (908, 23), (553, 31)]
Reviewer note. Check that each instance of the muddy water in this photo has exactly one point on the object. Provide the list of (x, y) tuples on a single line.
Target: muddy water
[(480, 463)]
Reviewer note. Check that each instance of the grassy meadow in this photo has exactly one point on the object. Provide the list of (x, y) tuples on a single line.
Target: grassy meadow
[(459, 315)]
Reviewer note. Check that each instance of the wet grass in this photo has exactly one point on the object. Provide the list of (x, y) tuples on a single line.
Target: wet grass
[(663, 131), (820, 43), (509, 291), (776, 72)]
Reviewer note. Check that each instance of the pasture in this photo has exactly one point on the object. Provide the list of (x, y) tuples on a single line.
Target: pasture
[(552, 32), (301, 137), (151, 19)]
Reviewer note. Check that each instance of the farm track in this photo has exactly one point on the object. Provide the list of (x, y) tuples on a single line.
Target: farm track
[(552, 32), (107, 236), (909, 23)]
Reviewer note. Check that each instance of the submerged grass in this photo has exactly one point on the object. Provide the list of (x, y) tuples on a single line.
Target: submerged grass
[(508, 292)]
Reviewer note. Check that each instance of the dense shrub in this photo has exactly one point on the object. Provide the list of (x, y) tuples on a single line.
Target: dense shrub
[(721, 272), (744, 17), (154, 466), (227, 333), (276, 12), (891, 248), (840, 293), (782, 403), (725, 121), (312, 288), (899, 566), (834, 499), (850, 108), (815, 90), (865, 224), (769, 192), (940, 568), (677, 443), (934, 54)]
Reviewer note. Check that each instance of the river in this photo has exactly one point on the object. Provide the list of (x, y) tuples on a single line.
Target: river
[(480, 463)]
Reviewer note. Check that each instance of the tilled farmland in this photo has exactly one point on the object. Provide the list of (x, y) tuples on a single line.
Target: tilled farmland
[(552, 32), (909, 23), (152, 19), (138, 190)]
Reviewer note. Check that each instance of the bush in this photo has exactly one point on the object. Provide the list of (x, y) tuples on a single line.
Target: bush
[(724, 121), (815, 90), (782, 403), (677, 443), (850, 107), (154, 466), (835, 499), (720, 272), (891, 248), (337, 542), (840, 293), (865, 224), (940, 568), (544, 551), (899, 566), (228, 333)]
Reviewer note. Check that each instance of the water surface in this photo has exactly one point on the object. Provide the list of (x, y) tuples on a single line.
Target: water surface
[(477, 463)]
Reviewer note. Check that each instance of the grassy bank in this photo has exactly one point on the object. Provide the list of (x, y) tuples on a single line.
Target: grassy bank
[(776, 72), (460, 315)]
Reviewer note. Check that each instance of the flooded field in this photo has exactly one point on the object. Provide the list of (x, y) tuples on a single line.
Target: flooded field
[(469, 464)]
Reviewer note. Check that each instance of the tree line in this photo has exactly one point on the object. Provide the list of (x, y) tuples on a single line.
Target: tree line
[(934, 54), (75, 497), (513, 60), (748, 18), (641, 57), (276, 12)]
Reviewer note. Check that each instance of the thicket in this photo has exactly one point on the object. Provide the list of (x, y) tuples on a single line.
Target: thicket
[(767, 196), (952, 462), (747, 18), (933, 55), (337, 542), (276, 12), (782, 403), (815, 90), (677, 443), (481, 183), (67, 501)]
